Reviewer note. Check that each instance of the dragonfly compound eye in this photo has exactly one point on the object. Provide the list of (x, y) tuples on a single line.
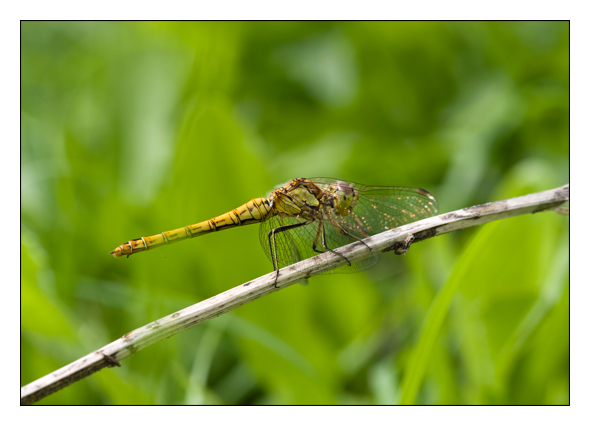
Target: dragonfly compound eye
[(344, 196)]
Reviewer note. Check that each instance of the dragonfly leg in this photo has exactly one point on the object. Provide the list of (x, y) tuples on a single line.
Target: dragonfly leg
[(361, 227), (272, 243), (401, 248), (322, 231)]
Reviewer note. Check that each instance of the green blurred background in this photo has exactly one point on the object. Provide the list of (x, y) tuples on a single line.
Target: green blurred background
[(129, 129)]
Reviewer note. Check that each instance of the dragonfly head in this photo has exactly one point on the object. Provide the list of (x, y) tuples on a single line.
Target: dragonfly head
[(343, 197)]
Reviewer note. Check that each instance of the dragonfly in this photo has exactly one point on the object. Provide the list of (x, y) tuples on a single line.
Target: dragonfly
[(306, 217)]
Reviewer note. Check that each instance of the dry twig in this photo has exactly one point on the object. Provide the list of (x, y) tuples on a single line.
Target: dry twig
[(398, 239)]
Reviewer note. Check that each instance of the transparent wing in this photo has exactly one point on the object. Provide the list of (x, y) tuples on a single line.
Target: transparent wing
[(335, 239), (377, 209), (380, 208), (296, 244)]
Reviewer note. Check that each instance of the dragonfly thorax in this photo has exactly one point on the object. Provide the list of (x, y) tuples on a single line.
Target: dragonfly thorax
[(299, 198)]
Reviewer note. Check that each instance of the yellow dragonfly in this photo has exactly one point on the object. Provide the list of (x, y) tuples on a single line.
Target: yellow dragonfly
[(305, 217)]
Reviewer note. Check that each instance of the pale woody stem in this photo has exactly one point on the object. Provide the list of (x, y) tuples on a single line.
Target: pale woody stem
[(165, 327)]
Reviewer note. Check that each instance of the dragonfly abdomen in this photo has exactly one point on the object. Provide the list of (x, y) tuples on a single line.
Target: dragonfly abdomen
[(254, 211)]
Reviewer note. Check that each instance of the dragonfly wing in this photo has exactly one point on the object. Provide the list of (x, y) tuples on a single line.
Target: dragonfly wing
[(375, 209), (335, 239), (380, 208), (290, 246), (296, 244)]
